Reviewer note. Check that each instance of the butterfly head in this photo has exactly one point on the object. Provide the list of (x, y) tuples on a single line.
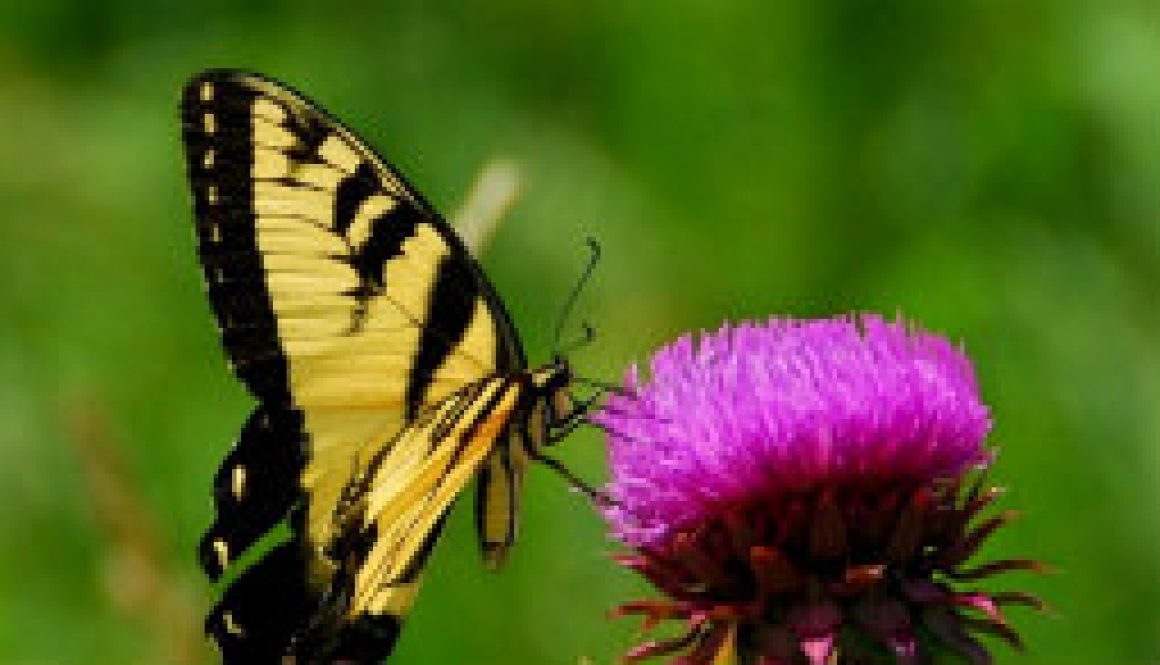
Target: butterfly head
[(550, 385), (557, 374)]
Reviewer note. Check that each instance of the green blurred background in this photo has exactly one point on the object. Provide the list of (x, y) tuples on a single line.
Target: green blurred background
[(991, 169)]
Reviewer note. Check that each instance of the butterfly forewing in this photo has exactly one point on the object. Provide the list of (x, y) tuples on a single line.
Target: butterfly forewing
[(349, 309)]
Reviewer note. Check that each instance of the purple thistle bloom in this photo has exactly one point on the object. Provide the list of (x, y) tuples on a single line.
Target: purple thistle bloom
[(782, 482), (786, 407)]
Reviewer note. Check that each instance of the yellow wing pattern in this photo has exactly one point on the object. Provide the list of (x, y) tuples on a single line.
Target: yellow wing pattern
[(350, 309), (413, 485)]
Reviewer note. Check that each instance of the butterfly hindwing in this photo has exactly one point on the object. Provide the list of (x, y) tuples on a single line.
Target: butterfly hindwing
[(412, 484), (349, 309), (258, 615), (255, 486), (391, 517)]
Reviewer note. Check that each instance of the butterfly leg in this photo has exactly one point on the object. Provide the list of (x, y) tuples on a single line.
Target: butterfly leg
[(557, 430), (594, 495)]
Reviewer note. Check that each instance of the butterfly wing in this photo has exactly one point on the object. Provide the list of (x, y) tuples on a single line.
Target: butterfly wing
[(346, 306), (390, 517), (497, 496), (411, 487)]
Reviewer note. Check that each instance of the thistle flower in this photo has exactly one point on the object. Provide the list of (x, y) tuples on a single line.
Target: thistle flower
[(807, 492)]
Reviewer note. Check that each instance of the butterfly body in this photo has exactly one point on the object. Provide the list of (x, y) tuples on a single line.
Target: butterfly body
[(387, 372)]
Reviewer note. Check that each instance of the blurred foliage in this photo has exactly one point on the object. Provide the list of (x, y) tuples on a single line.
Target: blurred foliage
[(991, 169)]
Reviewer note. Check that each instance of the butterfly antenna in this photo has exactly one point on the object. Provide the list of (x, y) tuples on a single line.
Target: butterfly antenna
[(570, 302)]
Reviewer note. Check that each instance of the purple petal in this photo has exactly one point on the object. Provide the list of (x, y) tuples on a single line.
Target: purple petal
[(756, 411)]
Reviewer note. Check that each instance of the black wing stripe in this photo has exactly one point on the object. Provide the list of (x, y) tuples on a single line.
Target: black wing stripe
[(311, 132), (449, 309), (219, 163), (388, 233), (353, 190)]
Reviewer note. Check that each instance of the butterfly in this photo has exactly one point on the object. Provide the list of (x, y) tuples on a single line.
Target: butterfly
[(386, 368)]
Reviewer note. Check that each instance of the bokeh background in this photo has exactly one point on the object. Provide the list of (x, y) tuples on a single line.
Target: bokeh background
[(991, 169)]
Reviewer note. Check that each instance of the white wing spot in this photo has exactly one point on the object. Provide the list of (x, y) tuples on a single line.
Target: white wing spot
[(206, 91), (232, 626), (209, 123), (222, 551), (238, 482), (211, 194), (207, 158)]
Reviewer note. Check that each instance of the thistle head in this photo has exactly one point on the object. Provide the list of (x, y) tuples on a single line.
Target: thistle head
[(806, 491)]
